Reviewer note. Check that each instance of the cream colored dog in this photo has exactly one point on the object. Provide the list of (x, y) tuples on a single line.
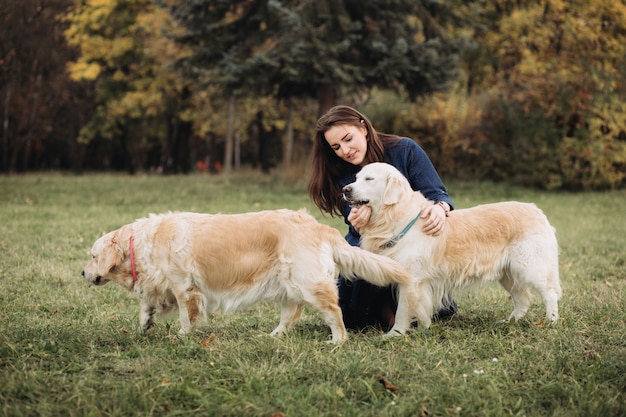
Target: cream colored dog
[(200, 263), (510, 242)]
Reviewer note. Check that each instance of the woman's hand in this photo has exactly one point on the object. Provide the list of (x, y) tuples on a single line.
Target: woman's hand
[(360, 216), (435, 216)]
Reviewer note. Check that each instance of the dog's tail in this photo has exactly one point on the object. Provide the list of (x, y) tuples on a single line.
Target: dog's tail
[(354, 262)]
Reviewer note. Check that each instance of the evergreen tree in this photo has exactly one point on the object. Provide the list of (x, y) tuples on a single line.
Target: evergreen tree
[(317, 48)]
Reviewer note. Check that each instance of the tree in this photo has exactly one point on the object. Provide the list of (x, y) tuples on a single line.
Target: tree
[(41, 108), (141, 102), (559, 92), (316, 49)]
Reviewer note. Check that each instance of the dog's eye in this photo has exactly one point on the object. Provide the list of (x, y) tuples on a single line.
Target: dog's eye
[(369, 178)]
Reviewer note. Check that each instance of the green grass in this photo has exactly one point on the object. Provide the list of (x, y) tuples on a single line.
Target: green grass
[(71, 349)]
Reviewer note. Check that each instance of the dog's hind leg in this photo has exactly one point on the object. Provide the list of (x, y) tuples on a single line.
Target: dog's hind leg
[(192, 310), (550, 287), (551, 300), (325, 299), (334, 319), (550, 291), (289, 316), (519, 293)]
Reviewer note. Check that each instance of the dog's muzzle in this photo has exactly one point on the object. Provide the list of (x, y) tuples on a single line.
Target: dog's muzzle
[(347, 196), (96, 281)]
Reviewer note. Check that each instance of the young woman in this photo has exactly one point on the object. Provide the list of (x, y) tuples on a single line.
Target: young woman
[(345, 141)]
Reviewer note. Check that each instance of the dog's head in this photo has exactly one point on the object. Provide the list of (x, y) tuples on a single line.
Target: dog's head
[(107, 255), (378, 184)]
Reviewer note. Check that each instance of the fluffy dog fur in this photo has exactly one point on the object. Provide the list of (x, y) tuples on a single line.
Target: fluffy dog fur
[(509, 242), (199, 263)]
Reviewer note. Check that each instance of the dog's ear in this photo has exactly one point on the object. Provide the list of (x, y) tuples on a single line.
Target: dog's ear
[(110, 255), (393, 190)]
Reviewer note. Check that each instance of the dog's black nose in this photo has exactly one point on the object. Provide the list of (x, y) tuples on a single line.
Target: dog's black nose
[(83, 273)]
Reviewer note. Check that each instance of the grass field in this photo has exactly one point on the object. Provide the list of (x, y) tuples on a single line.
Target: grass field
[(71, 349)]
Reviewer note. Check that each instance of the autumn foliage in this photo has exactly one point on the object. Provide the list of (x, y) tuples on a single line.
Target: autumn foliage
[(530, 92)]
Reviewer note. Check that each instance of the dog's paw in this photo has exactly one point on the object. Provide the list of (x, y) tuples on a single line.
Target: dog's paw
[(337, 341), (146, 325), (394, 333)]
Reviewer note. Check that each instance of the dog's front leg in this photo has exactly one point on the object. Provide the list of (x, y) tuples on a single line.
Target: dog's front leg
[(404, 312), (146, 315), (414, 302)]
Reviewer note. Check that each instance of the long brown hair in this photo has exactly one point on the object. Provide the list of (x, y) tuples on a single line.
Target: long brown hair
[(324, 188)]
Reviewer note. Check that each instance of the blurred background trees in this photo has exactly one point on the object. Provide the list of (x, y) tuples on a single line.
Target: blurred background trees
[(525, 91)]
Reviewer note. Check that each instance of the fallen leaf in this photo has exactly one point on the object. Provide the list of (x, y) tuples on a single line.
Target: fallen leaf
[(165, 381), (277, 415), (539, 324), (387, 384), (423, 411), (608, 284), (123, 330), (208, 342)]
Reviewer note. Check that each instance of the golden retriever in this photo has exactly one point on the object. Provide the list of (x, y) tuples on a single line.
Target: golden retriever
[(199, 263), (509, 242)]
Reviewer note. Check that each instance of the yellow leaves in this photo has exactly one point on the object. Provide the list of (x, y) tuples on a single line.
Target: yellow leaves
[(137, 104), (82, 70), (119, 47), (99, 10), (91, 16), (104, 4)]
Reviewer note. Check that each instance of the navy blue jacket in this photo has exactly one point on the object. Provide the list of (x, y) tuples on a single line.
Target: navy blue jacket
[(411, 160)]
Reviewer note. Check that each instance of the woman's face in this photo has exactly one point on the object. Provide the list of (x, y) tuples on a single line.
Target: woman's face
[(348, 141)]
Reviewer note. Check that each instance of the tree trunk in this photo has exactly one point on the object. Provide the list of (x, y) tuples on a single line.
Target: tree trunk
[(126, 151), (32, 122), (180, 146), (29, 125), (287, 157), (327, 98), (230, 133), (237, 151), (262, 143), (5, 130)]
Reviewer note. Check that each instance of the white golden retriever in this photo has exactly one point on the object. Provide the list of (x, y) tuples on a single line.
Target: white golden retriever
[(201, 263), (509, 242)]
